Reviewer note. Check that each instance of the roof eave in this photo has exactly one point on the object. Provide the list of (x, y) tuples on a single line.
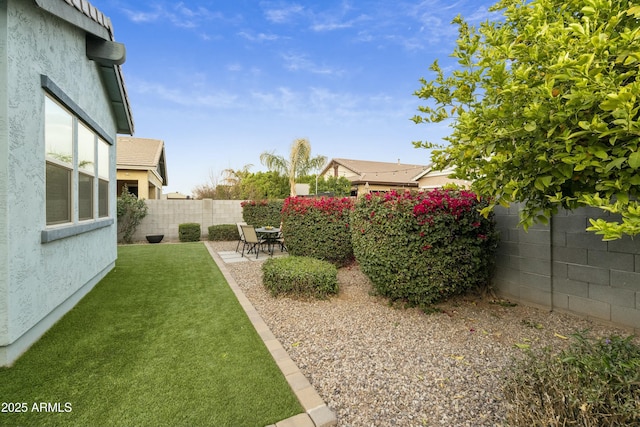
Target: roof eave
[(389, 183), (116, 91), (102, 49)]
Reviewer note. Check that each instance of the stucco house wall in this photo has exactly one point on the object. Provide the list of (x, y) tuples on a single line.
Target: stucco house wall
[(148, 184), (429, 182), (41, 280)]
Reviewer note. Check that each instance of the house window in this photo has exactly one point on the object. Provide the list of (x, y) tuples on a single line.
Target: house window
[(59, 151), (77, 172), (86, 171), (103, 178)]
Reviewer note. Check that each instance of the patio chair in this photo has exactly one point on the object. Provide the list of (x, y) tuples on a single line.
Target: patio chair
[(240, 233), (251, 239), (280, 240)]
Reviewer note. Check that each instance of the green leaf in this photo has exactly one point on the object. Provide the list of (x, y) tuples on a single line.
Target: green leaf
[(588, 10), (615, 164), (635, 11), (577, 28), (601, 154), (543, 182), (530, 126), (634, 160), (613, 103)]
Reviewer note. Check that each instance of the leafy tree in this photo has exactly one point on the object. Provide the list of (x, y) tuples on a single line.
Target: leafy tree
[(339, 186), (545, 108), (243, 185), (205, 191), (264, 185), (131, 212), (300, 162)]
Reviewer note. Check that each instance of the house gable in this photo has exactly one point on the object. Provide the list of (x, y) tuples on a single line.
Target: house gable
[(142, 162)]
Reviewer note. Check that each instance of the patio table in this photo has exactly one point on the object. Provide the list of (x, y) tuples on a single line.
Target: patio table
[(270, 234)]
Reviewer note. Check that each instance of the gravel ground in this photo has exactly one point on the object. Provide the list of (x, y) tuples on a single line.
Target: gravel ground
[(376, 365)]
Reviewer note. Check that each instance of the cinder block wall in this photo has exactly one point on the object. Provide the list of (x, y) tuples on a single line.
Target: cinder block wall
[(562, 267), (164, 216)]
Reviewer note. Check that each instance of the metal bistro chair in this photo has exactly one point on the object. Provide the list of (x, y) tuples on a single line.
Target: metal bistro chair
[(251, 239), (240, 233), (280, 240)]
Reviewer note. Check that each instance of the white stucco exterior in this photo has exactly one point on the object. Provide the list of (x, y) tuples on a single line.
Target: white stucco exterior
[(41, 280)]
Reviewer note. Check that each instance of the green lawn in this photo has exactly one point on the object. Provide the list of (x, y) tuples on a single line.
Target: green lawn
[(161, 341)]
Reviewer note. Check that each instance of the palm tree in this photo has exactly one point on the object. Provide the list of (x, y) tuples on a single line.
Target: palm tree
[(300, 162)]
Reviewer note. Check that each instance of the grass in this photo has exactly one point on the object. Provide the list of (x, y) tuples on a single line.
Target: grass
[(160, 341)]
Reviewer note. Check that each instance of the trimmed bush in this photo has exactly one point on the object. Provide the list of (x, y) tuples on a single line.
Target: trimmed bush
[(423, 247), (131, 212), (595, 382), (300, 276), (318, 228), (224, 232), (261, 213), (189, 232)]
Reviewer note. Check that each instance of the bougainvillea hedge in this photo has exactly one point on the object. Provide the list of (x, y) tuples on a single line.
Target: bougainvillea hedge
[(261, 213), (318, 228), (423, 247)]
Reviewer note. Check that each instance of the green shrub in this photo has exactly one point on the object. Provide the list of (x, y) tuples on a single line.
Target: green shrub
[(318, 228), (261, 213), (189, 232), (223, 232), (423, 247), (131, 212), (592, 383), (300, 276)]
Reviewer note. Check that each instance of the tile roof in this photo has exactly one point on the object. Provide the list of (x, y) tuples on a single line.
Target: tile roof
[(379, 172), (92, 12), (138, 152)]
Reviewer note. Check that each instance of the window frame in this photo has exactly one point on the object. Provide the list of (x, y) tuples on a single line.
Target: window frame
[(79, 118)]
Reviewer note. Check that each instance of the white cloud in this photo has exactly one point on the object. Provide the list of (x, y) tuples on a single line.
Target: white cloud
[(282, 14), (197, 97), (139, 16), (260, 37), (179, 15), (301, 62)]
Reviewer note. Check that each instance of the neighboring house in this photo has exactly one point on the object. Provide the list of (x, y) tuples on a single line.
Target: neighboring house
[(141, 166), (64, 101), (176, 196), (367, 176), (430, 179)]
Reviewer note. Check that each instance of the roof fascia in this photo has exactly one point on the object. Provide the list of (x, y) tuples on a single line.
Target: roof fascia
[(108, 55), (389, 183), (67, 13), (162, 167)]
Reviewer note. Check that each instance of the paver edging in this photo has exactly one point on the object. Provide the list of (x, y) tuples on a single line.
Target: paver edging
[(316, 410)]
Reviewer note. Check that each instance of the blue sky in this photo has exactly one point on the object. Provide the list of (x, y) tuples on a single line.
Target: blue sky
[(221, 81)]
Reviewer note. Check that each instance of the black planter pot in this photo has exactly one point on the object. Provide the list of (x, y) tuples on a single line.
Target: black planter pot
[(155, 238)]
